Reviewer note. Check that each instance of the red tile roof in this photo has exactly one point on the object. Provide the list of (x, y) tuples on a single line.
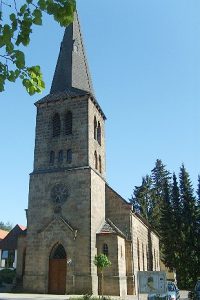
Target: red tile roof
[(3, 234), (22, 227)]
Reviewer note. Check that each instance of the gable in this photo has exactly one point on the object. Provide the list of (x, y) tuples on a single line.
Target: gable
[(10, 241)]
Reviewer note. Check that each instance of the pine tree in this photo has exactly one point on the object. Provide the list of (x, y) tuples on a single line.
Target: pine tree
[(165, 228), (176, 224), (198, 191), (198, 223), (141, 198), (189, 256), (159, 176)]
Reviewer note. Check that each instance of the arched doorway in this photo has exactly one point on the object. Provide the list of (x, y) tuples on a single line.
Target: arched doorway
[(57, 270)]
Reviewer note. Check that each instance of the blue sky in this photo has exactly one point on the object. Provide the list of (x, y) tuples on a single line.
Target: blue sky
[(144, 57)]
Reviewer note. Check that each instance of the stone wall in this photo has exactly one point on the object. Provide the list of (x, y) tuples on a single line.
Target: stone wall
[(77, 141), (93, 143), (45, 228), (118, 211), (114, 283)]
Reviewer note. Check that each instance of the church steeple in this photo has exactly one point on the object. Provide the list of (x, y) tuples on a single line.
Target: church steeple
[(72, 72)]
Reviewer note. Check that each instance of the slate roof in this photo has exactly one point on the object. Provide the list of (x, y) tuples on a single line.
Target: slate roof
[(72, 70), (110, 228), (72, 76)]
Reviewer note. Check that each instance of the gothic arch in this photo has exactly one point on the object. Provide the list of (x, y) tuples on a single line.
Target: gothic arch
[(57, 269)]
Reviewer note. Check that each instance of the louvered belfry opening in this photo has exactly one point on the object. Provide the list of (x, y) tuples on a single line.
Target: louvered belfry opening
[(58, 252), (56, 125)]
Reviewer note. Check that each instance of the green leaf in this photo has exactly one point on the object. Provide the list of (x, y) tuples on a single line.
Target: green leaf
[(37, 13), (37, 21), (7, 33), (2, 42), (42, 4), (9, 47), (23, 8), (11, 77), (12, 17), (19, 59), (2, 82), (17, 73), (37, 17)]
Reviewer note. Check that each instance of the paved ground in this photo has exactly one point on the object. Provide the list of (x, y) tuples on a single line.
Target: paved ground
[(5, 296)]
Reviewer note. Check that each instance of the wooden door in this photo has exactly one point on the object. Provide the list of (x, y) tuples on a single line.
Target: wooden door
[(57, 276)]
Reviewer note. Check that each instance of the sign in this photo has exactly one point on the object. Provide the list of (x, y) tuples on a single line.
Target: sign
[(152, 282)]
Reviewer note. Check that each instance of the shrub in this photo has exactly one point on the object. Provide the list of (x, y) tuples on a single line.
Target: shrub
[(7, 276)]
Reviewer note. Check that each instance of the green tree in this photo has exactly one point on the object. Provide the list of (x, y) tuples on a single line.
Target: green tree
[(16, 25), (6, 226), (198, 191), (159, 176), (141, 198), (189, 231), (102, 262), (165, 228), (176, 225)]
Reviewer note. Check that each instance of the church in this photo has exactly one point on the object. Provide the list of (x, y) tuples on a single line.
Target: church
[(73, 214)]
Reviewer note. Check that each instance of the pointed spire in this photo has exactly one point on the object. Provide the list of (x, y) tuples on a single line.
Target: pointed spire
[(72, 72)]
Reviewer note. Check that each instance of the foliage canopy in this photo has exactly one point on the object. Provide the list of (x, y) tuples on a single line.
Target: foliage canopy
[(15, 33), (173, 209)]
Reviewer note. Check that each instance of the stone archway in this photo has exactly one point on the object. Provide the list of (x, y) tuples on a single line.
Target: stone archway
[(57, 270)]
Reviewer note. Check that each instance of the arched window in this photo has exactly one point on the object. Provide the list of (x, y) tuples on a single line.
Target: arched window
[(95, 128), (105, 249), (95, 160), (99, 133), (69, 155), (68, 123), (60, 156), (56, 125), (58, 252), (52, 157), (138, 253), (100, 164)]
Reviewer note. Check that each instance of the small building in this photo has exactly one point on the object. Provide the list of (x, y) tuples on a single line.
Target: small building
[(8, 247)]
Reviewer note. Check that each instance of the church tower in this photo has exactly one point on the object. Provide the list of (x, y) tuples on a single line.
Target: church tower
[(67, 186)]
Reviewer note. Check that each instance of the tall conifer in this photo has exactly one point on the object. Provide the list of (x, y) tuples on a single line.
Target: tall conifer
[(188, 231), (141, 198), (165, 228), (160, 176)]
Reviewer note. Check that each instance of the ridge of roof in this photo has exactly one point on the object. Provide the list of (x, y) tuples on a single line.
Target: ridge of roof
[(22, 227)]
